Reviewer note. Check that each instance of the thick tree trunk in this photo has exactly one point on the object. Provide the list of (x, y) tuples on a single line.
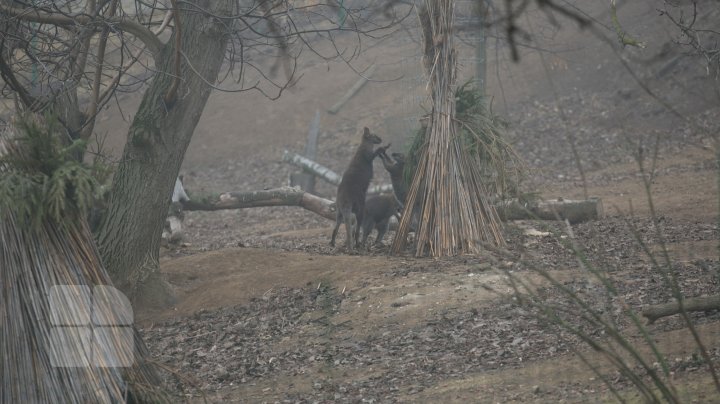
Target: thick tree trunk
[(129, 237)]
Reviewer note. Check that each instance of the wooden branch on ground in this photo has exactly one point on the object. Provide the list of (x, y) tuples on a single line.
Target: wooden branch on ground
[(353, 90), (702, 303), (285, 196)]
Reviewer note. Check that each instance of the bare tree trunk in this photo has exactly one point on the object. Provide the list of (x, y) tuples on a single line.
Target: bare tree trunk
[(129, 236)]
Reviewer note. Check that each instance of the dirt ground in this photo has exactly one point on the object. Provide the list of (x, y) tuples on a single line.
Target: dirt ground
[(268, 312)]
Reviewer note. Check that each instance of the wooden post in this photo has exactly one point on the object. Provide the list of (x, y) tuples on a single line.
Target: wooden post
[(305, 180)]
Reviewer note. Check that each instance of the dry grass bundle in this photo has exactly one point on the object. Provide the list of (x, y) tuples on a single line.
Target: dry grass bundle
[(455, 216), (57, 347)]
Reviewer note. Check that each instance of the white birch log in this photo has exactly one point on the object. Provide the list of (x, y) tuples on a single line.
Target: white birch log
[(326, 173), (312, 167)]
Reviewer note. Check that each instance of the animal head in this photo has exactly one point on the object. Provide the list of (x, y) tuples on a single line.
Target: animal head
[(371, 137), (399, 157)]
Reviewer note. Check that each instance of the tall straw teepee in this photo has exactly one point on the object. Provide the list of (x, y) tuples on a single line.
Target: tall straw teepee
[(455, 214), (64, 337)]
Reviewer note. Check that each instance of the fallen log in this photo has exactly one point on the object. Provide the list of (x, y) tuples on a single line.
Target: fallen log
[(575, 211), (353, 90), (702, 303), (312, 167), (284, 196)]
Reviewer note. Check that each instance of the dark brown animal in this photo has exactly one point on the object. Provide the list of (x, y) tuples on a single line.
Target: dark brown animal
[(396, 167), (378, 211), (350, 202)]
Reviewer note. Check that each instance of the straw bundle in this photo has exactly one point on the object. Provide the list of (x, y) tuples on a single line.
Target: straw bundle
[(56, 347), (455, 213)]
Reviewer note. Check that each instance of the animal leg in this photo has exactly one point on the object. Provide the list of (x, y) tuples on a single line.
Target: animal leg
[(338, 220), (367, 227), (382, 228), (360, 217), (351, 226)]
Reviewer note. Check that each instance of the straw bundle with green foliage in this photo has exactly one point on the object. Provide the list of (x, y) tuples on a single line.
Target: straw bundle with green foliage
[(455, 214), (45, 243), (483, 134)]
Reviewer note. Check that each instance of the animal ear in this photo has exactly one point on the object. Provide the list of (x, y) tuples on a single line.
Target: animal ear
[(366, 131)]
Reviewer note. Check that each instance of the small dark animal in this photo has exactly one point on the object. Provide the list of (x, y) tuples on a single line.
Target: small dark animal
[(350, 202), (396, 166), (378, 211)]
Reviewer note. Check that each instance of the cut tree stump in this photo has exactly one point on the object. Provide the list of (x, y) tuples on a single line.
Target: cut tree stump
[(702, 303), (173, 234)]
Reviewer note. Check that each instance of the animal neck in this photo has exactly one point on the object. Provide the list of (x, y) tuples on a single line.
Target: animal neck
[(365, 151)]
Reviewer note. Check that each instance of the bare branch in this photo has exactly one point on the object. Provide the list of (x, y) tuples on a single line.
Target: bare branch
[(97, 81), (121, 23)]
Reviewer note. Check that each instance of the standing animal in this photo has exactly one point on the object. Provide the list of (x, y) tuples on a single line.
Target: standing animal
[(396, 167), (350, 201), (378, 211)]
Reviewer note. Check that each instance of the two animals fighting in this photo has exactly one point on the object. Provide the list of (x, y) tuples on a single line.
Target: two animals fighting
[(353, 209)]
